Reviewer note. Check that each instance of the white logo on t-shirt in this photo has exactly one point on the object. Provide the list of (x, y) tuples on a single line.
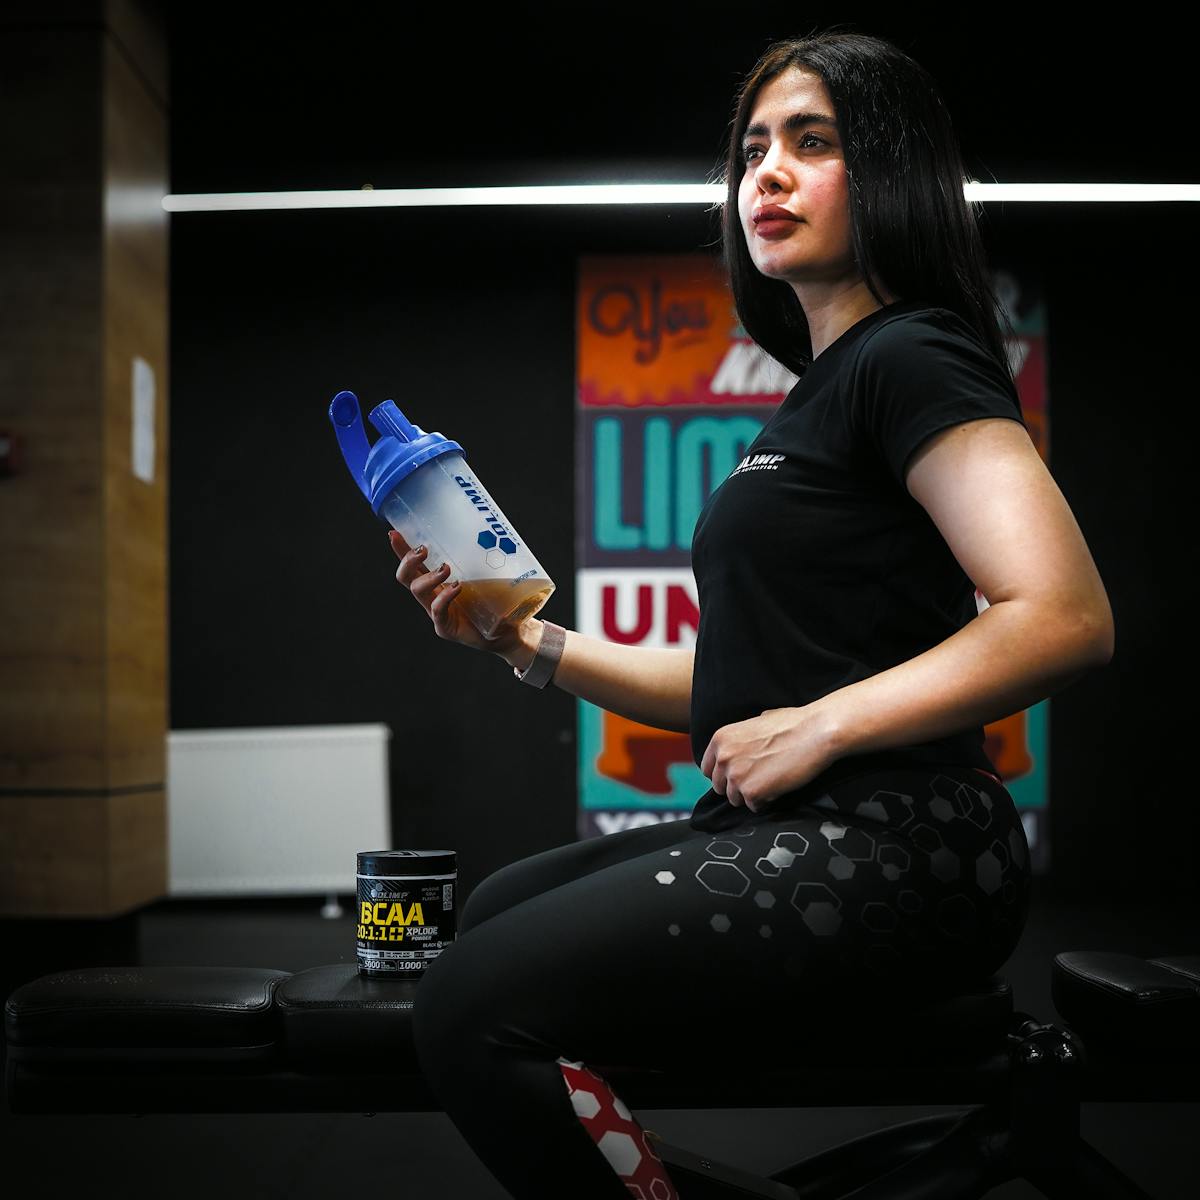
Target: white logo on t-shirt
[(758, 462)]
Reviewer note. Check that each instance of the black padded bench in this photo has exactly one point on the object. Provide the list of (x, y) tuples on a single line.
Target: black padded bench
[(202, 1039)]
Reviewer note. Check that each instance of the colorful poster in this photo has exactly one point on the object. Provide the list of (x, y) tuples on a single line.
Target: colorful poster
[(670, 394)]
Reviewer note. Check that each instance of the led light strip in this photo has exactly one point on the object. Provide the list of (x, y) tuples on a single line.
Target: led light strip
[(591, 193), (640, 193), (1082, 193)]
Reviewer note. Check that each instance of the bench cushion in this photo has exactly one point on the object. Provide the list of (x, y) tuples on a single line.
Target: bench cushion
[(138, 1013), (1123, 1000), (335, 1018)]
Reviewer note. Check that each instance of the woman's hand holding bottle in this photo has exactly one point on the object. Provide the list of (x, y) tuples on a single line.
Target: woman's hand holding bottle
[(450, 622)]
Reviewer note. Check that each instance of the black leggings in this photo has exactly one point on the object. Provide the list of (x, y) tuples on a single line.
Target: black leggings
[(642, 948)]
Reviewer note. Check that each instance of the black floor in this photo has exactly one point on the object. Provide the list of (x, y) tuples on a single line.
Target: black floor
[(422, 1156)]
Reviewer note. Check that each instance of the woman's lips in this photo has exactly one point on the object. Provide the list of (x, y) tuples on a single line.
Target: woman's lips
[(774, 227)]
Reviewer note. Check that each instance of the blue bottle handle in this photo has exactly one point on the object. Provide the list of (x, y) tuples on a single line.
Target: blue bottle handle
[(351, 436)]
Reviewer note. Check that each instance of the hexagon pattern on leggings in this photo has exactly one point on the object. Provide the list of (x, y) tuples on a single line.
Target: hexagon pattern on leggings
[(617, 1135), (886, 868)]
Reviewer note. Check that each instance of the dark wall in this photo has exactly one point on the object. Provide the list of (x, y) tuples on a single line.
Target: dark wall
[(284, 609)]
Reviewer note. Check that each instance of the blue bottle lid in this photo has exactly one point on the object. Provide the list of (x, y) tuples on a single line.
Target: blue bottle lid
[(400, 449)]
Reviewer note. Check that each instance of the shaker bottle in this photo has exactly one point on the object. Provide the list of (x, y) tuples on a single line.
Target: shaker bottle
[(420, 483)]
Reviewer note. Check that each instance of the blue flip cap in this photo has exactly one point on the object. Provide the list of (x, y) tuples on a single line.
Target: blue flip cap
[(400, 449)]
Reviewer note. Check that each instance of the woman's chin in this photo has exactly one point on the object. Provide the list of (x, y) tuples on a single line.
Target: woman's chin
[(782, 272)]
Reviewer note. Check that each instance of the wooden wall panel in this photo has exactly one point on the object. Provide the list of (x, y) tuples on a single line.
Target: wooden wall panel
[(135, 326), (51, 528), (81, 855), (83, 671), (136, 830), (55, 862)]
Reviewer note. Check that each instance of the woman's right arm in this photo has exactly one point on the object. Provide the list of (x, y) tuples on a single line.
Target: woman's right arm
[(650, 685)]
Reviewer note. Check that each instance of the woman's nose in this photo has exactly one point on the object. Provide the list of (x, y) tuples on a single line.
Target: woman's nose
[(772, 172)]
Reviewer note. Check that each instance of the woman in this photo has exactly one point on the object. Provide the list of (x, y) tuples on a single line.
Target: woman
[(841, 677)]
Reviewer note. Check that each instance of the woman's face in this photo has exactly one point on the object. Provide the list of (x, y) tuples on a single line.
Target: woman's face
[(799, 169)]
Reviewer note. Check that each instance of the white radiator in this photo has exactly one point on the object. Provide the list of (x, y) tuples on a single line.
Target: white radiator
[(274, 811)]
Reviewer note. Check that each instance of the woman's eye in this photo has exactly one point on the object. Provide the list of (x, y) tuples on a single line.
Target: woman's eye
[(751, 152)]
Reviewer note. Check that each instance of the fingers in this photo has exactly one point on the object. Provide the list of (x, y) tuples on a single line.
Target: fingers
[(425, 586), (412, 571), (442, 624), (412, 565), (724, 786), (732, 792), (718, 775), (429, 587)]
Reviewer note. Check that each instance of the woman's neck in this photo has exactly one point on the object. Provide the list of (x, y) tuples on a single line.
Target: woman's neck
[(829, 316)]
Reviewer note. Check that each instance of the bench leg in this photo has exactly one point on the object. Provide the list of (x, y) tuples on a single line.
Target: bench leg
[(699, 1177), (1091, 1174), (949, 1156)]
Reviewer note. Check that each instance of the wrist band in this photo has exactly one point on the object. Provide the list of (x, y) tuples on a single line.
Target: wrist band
[(549, 651)]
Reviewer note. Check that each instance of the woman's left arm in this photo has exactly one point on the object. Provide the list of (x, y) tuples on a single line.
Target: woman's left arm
[(1048, 622)]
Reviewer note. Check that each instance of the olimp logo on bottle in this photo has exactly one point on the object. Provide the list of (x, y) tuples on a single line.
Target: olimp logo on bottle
[(497, 542)]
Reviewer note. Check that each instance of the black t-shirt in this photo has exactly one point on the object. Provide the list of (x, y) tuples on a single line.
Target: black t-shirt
[(815, 568)]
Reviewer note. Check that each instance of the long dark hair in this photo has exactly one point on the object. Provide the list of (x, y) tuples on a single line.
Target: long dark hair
[(913, 230)]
